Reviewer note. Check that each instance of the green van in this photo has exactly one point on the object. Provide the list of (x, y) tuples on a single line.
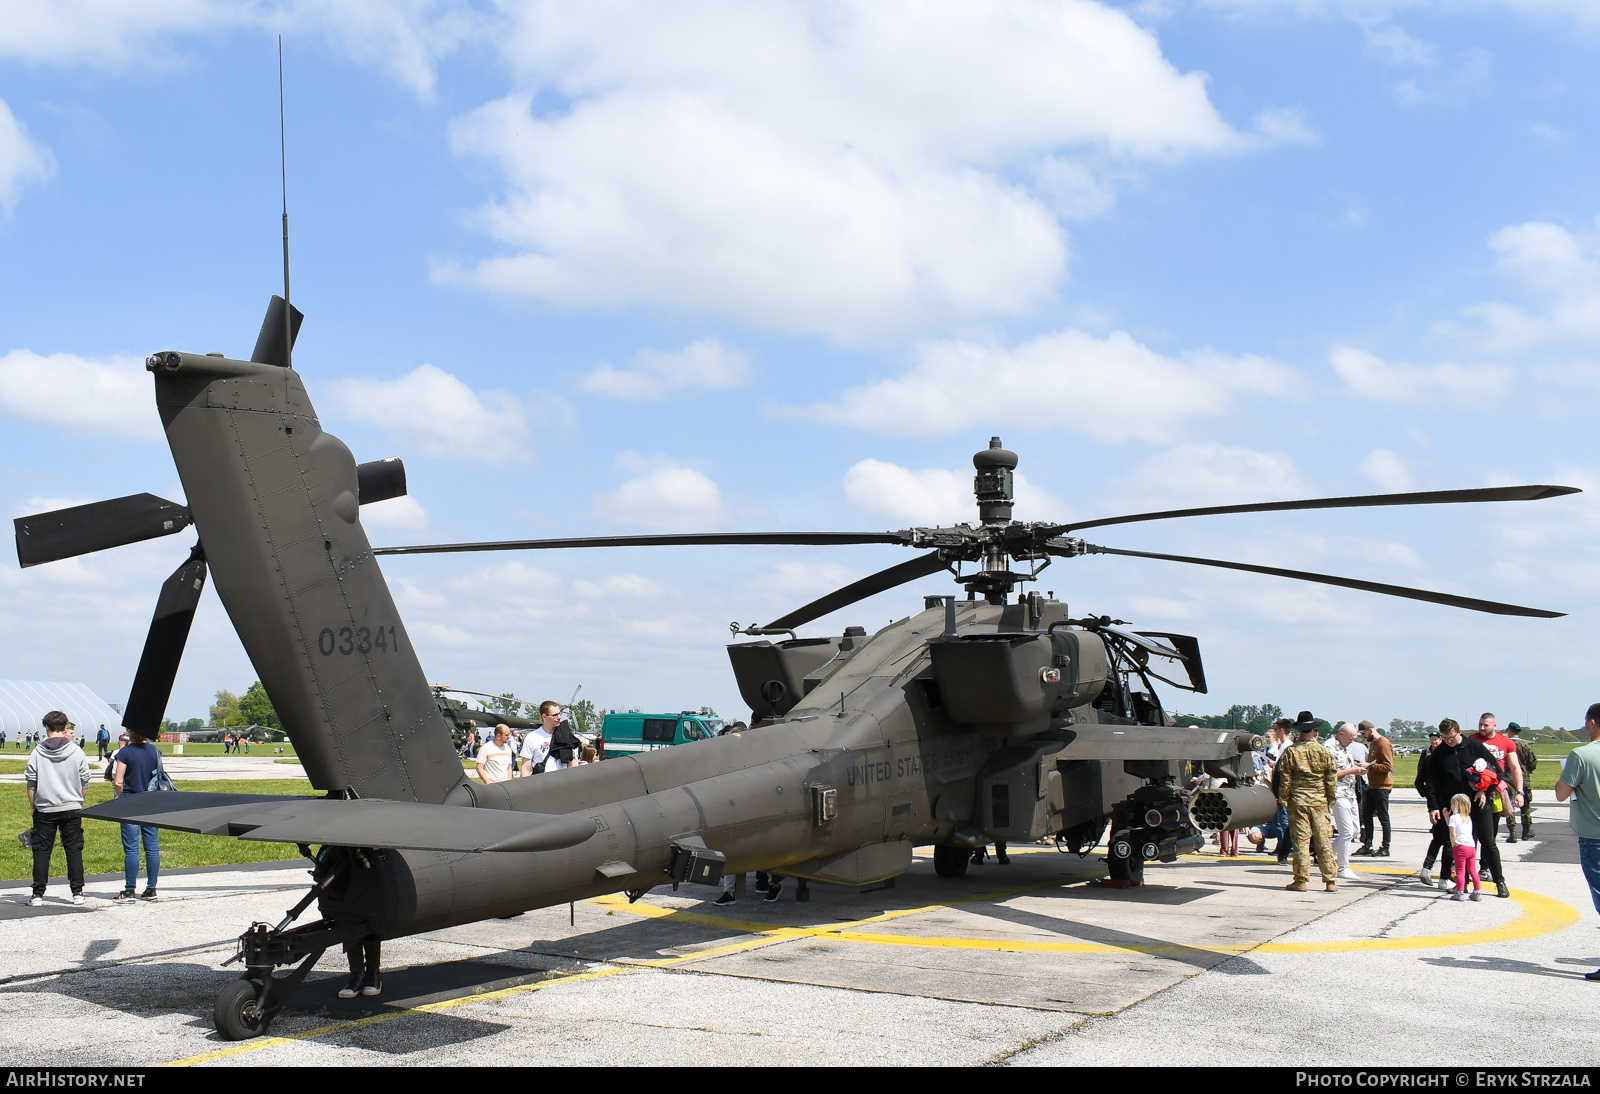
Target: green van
[(628, 733)]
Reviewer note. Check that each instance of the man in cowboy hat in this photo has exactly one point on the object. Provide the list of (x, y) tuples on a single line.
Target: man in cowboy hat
[(1308, 787)]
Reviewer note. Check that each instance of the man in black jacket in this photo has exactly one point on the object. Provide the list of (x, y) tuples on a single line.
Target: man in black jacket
[(1440, 833), (1448, 767)]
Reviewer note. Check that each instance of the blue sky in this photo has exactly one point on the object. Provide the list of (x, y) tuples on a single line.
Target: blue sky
[(626, 268)]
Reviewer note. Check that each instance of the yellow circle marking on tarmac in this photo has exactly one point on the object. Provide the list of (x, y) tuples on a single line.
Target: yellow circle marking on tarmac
[(1540, 915)]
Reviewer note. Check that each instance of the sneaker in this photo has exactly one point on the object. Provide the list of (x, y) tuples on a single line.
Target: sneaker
[(1477, 894), (1425, 877), (1382, 852), (1446, 884), (1592, 975), (1348, 874), (727, 897), (761, 886), (772, 893), (352, 987), (36, 902), (125, 897), (77, 898), (1458, 896), (148, 894), (1365, 851), (373, 984), (1501, 889)]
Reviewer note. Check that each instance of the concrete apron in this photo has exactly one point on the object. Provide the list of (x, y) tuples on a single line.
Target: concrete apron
[(1036, 937)]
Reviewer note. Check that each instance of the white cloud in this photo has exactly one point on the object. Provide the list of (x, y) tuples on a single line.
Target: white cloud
[(79, 395), (1558, 267), (1284, 125), (1386, 470), (664, 495), (434, 410), (403, 514), (704, 363), (1402, 382), (1111, 388), (1209, 474), (406, 37), (847, 168), (22, 159), (934, 495)]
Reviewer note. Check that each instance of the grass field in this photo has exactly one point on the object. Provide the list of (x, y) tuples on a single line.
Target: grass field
[(1544, 776), (102, 851), (11, 750)]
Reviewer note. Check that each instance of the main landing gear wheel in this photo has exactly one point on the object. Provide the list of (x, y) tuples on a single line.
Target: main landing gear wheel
[(951, 861), (238, 1011)]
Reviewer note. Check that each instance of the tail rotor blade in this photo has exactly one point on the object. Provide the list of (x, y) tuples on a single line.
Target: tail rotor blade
[(270, 348), (64, 533), (163, 647)]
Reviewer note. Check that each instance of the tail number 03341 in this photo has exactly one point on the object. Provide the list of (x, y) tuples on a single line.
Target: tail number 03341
[(362, 640)]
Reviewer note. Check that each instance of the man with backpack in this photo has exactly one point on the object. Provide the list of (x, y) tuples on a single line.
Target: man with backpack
[(138, 771), (1528, 761), (57, 775)]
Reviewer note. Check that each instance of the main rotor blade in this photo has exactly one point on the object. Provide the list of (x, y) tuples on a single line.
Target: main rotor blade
[(163, 647), (691, 539), (1424, 497), (1448, 599), (64, 533), (871, 585)]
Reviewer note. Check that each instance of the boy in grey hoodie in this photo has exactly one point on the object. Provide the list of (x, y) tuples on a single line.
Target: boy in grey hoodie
[(57, 775)]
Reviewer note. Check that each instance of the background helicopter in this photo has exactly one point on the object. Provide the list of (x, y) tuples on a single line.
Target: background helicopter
[(971, 721)]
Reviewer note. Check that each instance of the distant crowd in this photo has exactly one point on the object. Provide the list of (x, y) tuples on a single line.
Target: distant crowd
[(552, 745)]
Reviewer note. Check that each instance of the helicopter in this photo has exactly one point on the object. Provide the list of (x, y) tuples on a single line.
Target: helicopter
[(976, 719)]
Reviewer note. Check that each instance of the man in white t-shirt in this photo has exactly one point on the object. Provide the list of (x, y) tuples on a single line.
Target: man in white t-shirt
[(495, 757), (1346, 809), (536, 742)]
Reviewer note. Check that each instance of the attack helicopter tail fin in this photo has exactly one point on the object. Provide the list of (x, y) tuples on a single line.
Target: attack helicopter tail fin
[(277, 504)]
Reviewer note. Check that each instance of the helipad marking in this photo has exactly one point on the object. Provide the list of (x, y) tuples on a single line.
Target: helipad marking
[(1540, 915), (763, 935)]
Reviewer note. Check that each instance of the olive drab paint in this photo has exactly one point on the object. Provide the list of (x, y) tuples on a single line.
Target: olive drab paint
[(275, 500)]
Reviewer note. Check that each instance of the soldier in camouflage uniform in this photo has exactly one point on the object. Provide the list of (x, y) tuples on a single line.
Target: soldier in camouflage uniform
[(1529, 761), (1308, 787)]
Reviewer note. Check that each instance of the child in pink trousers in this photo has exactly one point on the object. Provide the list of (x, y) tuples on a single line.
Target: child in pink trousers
[(1466, 850)]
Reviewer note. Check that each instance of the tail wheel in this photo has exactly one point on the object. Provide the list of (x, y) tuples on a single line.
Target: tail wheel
[(951, 861), (238, 1012)]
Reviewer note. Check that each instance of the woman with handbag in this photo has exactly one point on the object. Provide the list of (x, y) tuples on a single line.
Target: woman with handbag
[(138, 771)]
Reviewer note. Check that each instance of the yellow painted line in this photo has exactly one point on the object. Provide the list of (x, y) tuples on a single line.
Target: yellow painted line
[(259, 1044), (1541, 915)]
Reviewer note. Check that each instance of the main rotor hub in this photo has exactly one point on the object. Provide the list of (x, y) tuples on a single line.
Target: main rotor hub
[(993, 483)]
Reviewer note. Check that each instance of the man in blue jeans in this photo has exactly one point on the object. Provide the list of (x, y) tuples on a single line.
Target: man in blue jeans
[(136, 766), (1580, 781)]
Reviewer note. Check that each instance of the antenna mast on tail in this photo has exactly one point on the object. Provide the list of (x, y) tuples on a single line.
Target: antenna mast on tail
[(283, 163)]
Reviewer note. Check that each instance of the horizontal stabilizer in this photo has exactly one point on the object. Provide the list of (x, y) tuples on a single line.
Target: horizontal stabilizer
[(356, 823)]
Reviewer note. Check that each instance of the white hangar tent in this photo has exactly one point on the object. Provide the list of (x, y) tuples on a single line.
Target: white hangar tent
[(24, 702)]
